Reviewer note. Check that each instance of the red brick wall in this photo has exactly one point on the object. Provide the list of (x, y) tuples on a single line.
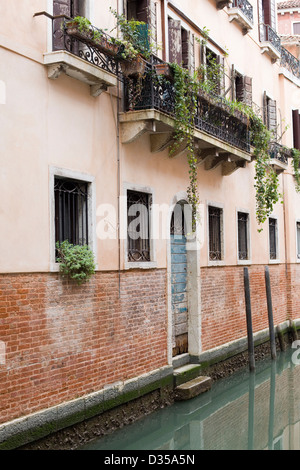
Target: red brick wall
[(223, 301), (64, 341)]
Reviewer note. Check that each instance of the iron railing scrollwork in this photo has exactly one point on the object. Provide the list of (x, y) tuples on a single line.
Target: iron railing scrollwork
[(82, 45), (279, 152), (213, 115), (268, 34), (245, 7), (290, 62)]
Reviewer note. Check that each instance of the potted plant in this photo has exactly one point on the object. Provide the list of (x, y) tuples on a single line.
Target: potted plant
[(164, 69), (134, 67)]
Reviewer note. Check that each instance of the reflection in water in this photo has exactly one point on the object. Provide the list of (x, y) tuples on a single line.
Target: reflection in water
[(256, 411)]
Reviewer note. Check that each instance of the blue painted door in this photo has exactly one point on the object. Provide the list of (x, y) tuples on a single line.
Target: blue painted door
[(179, 294)]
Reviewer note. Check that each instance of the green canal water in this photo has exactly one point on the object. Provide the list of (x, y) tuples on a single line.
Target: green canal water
[(255, 411)]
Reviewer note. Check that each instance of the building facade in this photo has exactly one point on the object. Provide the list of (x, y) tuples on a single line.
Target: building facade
[(84, 147)]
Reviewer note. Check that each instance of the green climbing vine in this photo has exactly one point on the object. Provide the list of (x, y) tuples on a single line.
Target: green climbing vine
[(296, 163), (186, 92)]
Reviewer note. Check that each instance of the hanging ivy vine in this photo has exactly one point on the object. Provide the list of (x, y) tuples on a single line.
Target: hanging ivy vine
[(186, 95)]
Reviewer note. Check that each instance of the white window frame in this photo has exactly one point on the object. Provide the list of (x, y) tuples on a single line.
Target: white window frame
[(249, 260), (277, 260), (139, 264), (218, 206), (78, 176)]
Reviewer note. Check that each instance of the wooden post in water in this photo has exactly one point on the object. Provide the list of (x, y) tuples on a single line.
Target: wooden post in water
[(270, 313), (249, 320)]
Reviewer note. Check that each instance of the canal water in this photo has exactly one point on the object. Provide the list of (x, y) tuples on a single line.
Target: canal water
[(248, 411)]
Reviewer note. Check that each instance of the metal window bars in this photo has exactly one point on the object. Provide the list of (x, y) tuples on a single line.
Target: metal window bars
[(138, 226), (215, 241), (243, 252)]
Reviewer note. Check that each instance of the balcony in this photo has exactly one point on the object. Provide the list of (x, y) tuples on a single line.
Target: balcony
[(279, 156), (221, 137), (241, 11), (270, 42), (289, 63), (222, 3), (75, 54)]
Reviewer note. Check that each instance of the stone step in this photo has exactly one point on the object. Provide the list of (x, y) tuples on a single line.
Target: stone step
[(193, 388), (185, 373)]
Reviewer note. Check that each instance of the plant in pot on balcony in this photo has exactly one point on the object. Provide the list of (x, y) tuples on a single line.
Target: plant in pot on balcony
[(137, 45), (76, 261)]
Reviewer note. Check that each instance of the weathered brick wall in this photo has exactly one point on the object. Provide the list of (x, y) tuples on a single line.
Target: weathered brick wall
[(64, 341), (223, 301), (293, 290)]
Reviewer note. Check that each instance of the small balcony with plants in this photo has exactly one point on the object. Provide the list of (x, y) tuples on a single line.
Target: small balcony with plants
[(84, 52), (279, 156), (241, 11)]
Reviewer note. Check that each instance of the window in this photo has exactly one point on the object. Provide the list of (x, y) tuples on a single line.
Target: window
[(138, 226), (296, 28), (146, 12), (70, 8), (273, 239), (298, 240), (267, 12), (71, 211), (243, 236), (181, 45), (215, 216), (270, 114), (296, 128)]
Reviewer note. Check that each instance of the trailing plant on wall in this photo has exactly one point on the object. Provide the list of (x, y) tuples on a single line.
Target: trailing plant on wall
[(296, 163), (186, 93), (76, 261)]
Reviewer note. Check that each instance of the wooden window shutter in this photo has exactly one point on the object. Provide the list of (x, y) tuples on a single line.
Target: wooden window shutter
[(265, 108), (76, 8), (175, 48), (188, 50), (142, 10), (247, 91), (272, 117), (152, 21), (296, 128), (60, 7)]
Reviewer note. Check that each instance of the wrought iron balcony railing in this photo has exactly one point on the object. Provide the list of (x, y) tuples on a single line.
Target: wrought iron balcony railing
[(245, 7), (290, 62), (213, 115), (267, 34), (279, 152), (81, 43)]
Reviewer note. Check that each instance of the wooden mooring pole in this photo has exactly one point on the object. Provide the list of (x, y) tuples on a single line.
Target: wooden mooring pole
[(270, 313), (249, 320)]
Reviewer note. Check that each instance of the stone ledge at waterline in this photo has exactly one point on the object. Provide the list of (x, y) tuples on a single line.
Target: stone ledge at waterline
[(22, 431)]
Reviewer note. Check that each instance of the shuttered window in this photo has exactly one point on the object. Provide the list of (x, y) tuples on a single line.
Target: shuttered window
[(242, 88), (181, 45), (267, 12), (215, 216), (273, 239), (146, 12), (270, 114), (138, 226), (69, 8)]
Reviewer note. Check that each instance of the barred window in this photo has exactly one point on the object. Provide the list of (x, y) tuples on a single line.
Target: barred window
[(71, 211), (138, 226), (215, 216), (243, 249), (273, 238), (298, 240)]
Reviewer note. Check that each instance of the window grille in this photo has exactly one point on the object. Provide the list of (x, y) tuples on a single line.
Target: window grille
[(298, 240), (215, 237), (138, 226), (273, 238), (71, 211), (243, 236)]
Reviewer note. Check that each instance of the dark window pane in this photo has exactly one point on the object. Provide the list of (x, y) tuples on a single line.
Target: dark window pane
[(71, 211), (138, 229), (243, 236), (215, 244), (273, 238)]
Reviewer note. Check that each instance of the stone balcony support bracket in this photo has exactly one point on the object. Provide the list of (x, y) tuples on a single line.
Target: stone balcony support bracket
[(59, 62)]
